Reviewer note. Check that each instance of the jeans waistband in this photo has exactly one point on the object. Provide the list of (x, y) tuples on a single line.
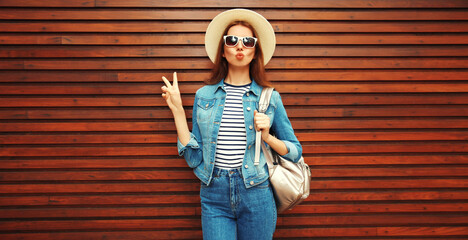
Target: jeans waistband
[(227, 172)]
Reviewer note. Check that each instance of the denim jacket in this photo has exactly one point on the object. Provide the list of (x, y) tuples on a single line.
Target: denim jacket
[(207, 113)]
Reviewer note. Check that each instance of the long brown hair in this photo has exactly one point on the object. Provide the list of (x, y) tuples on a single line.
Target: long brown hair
[(256, 68)]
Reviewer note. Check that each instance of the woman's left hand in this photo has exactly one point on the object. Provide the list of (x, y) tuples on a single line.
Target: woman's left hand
[(262, 123)]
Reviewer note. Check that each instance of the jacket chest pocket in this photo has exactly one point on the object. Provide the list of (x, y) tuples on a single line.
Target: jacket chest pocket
[(205, 110)]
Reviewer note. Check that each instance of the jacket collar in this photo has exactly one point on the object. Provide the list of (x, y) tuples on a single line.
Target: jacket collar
[(254, 87)]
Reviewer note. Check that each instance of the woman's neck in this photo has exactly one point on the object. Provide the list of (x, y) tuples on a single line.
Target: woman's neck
[(238, 76)]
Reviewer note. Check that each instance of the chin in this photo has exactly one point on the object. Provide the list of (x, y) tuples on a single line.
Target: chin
[(242, 63)]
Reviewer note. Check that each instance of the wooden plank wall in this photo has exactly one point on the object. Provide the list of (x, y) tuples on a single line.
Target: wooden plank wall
[(376, 90)]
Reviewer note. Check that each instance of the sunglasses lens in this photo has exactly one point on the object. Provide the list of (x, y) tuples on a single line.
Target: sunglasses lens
[(231, 41), (249, 42)]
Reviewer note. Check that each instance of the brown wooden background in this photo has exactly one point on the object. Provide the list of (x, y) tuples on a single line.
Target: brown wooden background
[(376, 90)]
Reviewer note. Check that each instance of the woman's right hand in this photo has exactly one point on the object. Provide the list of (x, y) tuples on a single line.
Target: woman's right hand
[(171, 94)]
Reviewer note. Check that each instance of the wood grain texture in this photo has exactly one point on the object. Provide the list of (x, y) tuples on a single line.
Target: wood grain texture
[(199, 51), (197, 27), (376, 90), (183, 38), (233, 4), (208, 14)]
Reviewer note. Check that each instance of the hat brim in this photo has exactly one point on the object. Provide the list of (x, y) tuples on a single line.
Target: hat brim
[(215, 30)]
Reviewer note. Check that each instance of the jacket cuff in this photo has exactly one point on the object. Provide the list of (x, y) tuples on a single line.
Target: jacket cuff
[(292, 154), (191, 144)]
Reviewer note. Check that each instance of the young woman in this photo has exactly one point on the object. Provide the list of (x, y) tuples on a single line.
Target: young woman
[(236, 197)]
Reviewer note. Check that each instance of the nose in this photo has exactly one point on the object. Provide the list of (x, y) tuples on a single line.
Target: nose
[(240, 46)]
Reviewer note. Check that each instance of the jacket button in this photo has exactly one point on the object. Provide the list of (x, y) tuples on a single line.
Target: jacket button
[(246, 166), (250, 127), (248, 108), (251, 182), (207, 105), (248, 94)]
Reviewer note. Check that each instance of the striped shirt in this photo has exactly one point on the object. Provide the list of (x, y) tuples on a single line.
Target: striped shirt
[(231, 144)]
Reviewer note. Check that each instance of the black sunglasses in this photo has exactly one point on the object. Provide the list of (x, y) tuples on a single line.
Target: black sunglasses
[(232, 41)]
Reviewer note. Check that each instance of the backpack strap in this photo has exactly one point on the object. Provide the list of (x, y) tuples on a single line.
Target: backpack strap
[(262, 107)]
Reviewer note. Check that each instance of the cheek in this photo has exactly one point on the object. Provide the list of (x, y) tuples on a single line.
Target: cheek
[(229, 51), (250, 54)]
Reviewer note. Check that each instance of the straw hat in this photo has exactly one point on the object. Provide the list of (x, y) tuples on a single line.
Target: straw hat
[(215, 30)]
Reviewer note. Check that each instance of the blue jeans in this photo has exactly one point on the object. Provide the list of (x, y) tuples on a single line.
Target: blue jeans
[(231, 211)]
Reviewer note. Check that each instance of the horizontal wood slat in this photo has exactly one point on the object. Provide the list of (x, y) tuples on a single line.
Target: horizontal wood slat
[(208, 14), (298, 87), (377, 208), (48, 3), (319, 124), (102, 163), (376, 91), (129, 235), (315, 232), (252, 4), (391, 195), (122, 212), (399, 159), (199, 51), (198, 39), (147, 224), (196, 27), (374, 231), (309, 112), (112, 199), (172, 138), (143, 187), (158, 150), (350, 75), (322, 197), (138, 187), (166, 161), (86, 212), (125, 175), (317, 99), (203, 64)]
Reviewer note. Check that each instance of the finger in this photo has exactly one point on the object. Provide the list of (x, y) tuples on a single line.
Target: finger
[(261, 124), (168, 84), (174, 80), (262, 128), (255, 112), (260, 118), (166, 96)]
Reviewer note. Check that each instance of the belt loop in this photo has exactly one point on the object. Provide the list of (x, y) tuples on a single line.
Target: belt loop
[(216, 172), (240, 172)]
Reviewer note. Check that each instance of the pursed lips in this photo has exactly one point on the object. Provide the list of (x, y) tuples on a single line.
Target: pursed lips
[(239, 56)]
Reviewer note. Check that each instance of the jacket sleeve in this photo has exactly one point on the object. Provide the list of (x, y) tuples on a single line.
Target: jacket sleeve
[(192, 152), (283, 130)]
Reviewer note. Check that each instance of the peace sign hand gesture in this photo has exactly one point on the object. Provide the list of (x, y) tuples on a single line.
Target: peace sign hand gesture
[(171, 94)]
